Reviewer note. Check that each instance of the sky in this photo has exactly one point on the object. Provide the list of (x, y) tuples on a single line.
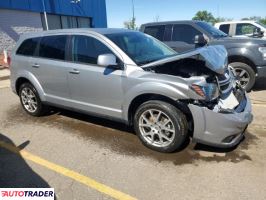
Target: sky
[(146, 11)]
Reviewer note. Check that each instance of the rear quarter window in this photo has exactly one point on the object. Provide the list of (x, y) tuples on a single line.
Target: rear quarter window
[(28, 47), (225, 28)]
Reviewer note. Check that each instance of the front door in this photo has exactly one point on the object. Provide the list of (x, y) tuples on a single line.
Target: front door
[(92, 87)]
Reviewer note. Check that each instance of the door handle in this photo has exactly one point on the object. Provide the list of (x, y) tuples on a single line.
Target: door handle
[(74, 71), (36, 65)]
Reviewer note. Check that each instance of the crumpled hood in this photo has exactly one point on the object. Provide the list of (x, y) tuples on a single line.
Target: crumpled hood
[(214, 56)]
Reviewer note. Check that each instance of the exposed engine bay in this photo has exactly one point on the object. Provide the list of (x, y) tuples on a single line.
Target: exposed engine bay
[(185, 68), (209, 77)]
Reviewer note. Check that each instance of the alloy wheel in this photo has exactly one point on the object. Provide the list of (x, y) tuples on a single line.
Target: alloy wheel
[(242, 76), (157, 128), (29, 100)]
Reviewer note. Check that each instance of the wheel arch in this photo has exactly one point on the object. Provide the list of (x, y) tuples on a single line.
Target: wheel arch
[(182, 105), (19, 82), (30, 78), (243, 59)]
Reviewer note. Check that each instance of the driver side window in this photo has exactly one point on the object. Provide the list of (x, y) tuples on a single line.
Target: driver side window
[(86, 49), (184, 33), (244, 29)]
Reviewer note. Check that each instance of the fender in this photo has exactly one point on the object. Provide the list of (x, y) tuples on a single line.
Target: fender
[(152, 88), (33, 80), (245, 52)]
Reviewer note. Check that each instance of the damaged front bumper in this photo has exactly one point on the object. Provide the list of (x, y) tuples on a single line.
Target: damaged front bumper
[(221, 129)]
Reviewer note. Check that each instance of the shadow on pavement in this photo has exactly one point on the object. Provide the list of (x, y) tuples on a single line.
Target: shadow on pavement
[(128, 144), (120, 138), (260, 84), (14, 171)]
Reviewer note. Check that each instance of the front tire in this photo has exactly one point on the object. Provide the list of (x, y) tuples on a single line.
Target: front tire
[(245, 74), (30, 100), (160, 126)]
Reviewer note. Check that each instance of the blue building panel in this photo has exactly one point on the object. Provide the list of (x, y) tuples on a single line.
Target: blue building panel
[(96, 9)]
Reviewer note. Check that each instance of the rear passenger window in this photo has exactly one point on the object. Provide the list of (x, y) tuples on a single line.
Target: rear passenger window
[(225, 28), (53, 47), (86, 49), (27, 48), (156, 31), (185, 33)]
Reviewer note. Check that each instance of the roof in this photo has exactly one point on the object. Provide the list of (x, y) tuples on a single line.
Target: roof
[(170, 22), (101, 31), (234, 22)]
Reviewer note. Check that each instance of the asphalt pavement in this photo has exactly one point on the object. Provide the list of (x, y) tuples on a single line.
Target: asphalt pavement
[(85, 157)]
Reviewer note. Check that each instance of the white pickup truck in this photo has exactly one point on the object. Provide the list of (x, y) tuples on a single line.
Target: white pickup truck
[(243, 28)]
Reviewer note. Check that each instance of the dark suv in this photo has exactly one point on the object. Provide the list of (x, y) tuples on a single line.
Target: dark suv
[(247, 56)]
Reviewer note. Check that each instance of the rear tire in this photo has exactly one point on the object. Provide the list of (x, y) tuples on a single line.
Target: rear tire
[(160, 126), (247, 75), (31, 101)]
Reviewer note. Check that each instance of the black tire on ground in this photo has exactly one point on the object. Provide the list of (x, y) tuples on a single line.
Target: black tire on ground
[(180, 124), (40, 108), (249, 70)]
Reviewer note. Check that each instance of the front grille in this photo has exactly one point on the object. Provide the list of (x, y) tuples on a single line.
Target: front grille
[(225, 82), (241, 98)]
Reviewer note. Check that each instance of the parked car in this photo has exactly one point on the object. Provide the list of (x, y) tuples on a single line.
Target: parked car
[(246, 55), (243, 28), (134, 78)]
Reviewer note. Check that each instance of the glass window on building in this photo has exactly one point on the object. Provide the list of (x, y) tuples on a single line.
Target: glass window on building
[(69, 22), (84, 22), (54, 22), (63, 21)]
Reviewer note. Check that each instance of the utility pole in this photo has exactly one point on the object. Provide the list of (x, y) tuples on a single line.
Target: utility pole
[(133, 9), (45, 15), (218, 10)]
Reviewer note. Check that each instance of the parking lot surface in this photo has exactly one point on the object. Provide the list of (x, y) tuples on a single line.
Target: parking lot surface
[(84, 157)]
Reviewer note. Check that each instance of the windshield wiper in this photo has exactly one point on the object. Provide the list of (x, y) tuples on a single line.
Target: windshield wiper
[(152, 60), (146, 62)]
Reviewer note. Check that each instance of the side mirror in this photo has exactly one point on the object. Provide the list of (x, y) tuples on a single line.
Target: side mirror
[(107, 60), (257, 32), (199, 41)]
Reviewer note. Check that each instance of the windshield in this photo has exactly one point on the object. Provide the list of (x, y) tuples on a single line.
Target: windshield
[(141, 48), (216, 33), (261, 24)]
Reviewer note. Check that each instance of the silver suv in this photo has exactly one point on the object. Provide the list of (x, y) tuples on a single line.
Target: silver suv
[(132, 77)]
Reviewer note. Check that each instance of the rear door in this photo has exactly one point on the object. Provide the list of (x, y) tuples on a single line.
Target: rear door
[(50, 68), (94, 88), (183, 36)]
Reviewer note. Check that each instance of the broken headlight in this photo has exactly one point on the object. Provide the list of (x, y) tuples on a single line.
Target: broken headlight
[(209, 91)]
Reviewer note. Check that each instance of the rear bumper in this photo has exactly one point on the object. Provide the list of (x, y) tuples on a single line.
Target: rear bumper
[(220, 129), (261, 71)]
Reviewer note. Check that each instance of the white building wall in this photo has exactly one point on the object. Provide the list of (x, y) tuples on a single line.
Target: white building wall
[(13, 23)]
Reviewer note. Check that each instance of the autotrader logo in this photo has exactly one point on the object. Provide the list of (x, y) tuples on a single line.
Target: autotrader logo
[(27, 193)]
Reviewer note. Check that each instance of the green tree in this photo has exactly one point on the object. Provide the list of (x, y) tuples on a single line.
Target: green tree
[(131, 24), (256, 18), (205, 16), (253, 18), (263, 20), (222, 19)]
